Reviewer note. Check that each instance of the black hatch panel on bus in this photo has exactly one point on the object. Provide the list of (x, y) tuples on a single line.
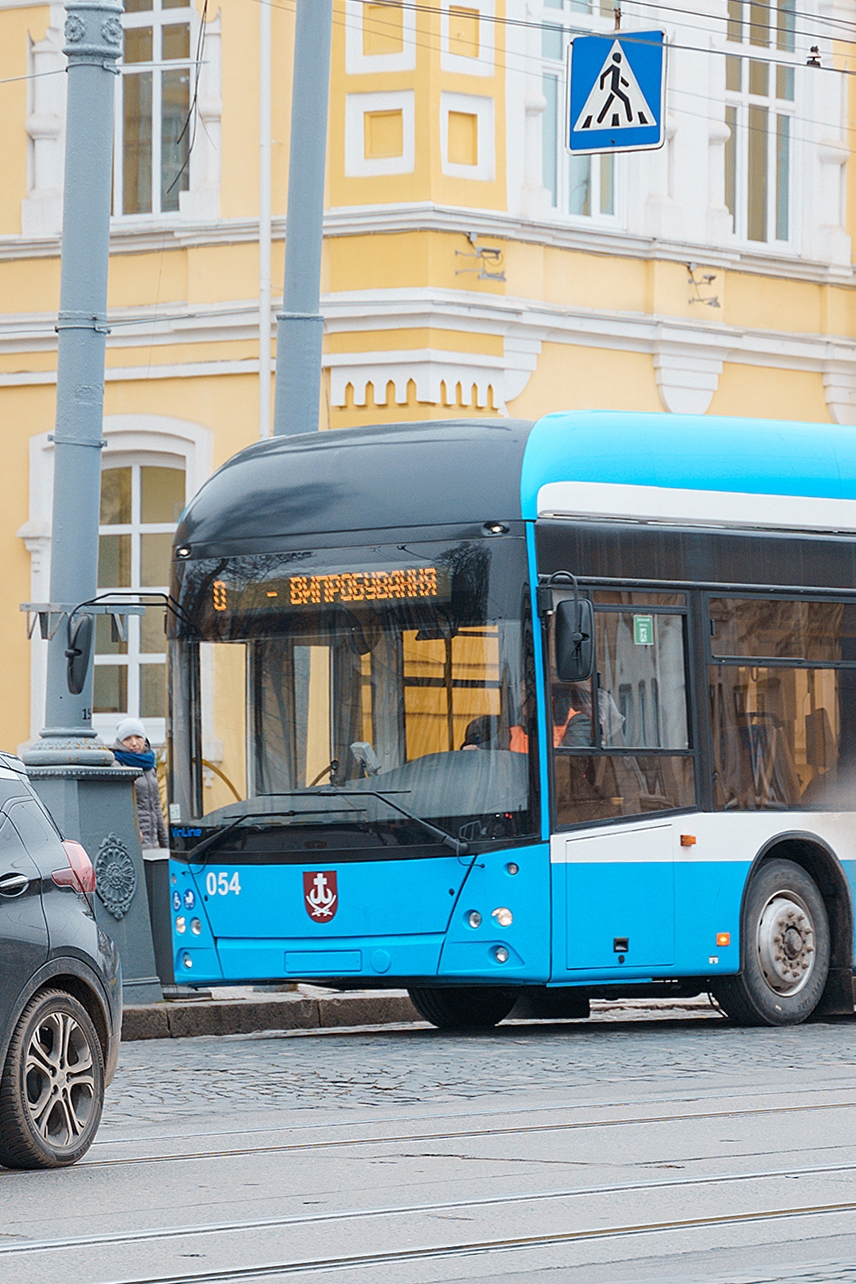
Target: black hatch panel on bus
[(446, 473)]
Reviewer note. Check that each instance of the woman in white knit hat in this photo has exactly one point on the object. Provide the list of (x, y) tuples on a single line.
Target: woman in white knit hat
[(132, 749)]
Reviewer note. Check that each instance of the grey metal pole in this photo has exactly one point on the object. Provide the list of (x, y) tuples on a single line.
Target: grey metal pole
[(300, 326), (90, 798), (93, 33)]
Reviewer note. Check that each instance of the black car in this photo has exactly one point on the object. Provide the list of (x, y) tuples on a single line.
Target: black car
[(60, 987)]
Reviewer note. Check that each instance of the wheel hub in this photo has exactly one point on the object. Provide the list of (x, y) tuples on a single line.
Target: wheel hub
[(60, 1086), (786, 943)]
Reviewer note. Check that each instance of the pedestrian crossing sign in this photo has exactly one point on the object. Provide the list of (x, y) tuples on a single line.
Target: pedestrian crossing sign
[(616, 92)]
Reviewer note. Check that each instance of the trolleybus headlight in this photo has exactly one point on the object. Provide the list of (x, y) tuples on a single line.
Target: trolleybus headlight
[(501, 954), (195, 926), (503, 916), (181, 923), (187, 961), (512, 868), (474, 918)]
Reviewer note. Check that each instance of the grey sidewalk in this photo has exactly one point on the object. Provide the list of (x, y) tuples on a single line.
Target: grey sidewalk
[(237, 1010), (243, 1010)]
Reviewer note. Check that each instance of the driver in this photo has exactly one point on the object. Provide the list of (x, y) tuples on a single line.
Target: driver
[(572, 723)]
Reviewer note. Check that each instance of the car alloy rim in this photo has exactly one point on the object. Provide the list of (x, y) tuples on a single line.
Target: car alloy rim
[(59, 1080), (786, 943)]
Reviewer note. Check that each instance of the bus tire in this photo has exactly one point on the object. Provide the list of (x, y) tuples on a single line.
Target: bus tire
[(463, 1007), (786, 950)]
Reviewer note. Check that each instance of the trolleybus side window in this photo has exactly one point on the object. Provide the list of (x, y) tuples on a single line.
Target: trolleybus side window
[(621, 742), (782, 703)]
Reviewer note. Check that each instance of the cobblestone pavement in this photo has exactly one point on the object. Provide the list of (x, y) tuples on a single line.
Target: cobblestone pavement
[(408, 1065), (650, 1145)]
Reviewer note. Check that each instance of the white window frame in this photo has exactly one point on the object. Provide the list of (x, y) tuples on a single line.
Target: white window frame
[(157, 19), (736, 151), (139, 438), (134, 659), (574, 16)]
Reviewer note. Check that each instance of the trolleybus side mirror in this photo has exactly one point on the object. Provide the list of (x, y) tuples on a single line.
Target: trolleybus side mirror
[(79, 652), (574, 640)]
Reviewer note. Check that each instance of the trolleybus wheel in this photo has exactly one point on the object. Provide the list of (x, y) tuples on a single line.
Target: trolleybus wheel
[(464, 1007), (785, 951)]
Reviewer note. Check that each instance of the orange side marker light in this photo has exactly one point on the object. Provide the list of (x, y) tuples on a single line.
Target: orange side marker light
[(723, 938), (688, 840)]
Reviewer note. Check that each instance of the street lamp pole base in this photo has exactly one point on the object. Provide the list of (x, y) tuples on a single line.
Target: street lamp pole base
[(95, 805), (68, 746)]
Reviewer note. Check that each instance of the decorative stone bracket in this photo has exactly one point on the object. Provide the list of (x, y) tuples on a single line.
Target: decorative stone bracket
[(440, 377), (686, 381)]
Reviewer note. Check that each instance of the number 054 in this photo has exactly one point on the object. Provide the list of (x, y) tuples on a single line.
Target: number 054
[(221, 884)]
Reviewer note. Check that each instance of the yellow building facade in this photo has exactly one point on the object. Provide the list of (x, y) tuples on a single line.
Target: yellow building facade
[(470, 266)]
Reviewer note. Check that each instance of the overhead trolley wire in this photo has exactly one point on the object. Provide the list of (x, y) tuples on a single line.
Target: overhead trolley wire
[(533, 24), (735, 50), (429, 42)]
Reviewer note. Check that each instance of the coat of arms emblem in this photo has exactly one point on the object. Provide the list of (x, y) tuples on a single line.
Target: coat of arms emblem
[(320, 894)]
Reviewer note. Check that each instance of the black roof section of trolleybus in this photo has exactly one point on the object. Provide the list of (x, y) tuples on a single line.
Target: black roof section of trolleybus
[(454, 473), (648, 553)]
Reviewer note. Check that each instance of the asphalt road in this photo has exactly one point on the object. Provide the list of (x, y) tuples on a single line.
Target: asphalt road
[(638, 1146)]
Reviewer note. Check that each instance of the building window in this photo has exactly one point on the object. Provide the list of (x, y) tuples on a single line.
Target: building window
[(140, 507), (759, 112), (581, 186), (152, 163)]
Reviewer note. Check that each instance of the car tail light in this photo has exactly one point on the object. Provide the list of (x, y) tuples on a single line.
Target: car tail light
[(80, 873)]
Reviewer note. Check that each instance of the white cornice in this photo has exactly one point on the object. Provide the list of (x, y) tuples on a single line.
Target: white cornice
[(366, 219), (129, 374), (155, 326), (144, 236), (626, 331), (153, 235), (367, 311), (688, 352)]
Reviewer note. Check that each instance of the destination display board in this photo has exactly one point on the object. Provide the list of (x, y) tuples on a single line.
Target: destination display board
[(396, 584)]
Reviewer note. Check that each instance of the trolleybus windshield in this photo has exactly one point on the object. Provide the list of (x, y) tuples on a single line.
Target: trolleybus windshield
[(338, 699)]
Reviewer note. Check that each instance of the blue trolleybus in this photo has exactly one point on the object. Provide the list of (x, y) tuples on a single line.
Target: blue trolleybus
[(522, 713)]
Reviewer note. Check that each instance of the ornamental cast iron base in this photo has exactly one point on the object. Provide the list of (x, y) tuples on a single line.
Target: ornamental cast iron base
[(95, 805)]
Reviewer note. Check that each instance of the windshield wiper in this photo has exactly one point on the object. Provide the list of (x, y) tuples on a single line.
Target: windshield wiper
[(459, 847), (219, 834)]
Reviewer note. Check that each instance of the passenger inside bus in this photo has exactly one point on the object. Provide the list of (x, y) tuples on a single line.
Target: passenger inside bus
[(572, 724)]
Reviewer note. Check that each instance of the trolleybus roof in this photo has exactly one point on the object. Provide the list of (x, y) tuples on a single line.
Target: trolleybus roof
[(456, 472)]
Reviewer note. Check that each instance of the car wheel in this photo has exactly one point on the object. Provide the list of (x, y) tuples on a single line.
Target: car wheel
[(465, 1007), (785, 953), (52, 1088)]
